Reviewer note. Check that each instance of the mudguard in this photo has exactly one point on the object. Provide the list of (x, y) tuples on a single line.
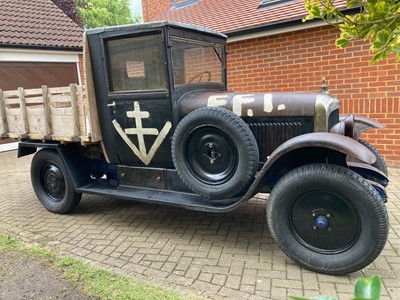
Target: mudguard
[(374, 176), (331, 141), (353, 126), (69, 153)]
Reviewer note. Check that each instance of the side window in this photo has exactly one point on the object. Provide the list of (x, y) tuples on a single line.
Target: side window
[(137, 64), (196, 61)]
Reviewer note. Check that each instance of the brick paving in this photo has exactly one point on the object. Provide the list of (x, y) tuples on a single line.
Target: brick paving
[(217, 256)]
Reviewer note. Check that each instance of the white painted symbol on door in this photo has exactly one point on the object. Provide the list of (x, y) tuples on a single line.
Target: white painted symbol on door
[(138, 115)]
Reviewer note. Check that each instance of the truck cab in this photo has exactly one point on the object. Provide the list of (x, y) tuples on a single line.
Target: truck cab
[(139, 77), (166, 130)]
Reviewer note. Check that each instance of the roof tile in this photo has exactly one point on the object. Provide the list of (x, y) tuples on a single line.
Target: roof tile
[(235, 15), (37, 23)]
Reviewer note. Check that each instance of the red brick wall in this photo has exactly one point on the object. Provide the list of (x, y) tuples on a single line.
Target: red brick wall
[(199, 59), (297, 61)]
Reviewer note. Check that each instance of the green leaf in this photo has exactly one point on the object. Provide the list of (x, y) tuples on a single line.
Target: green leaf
[(342, 43), (383, 36), (368, 288), (364, 31), (316, 11), (376, 45), (377, 21), (352, 3), (376, 57)]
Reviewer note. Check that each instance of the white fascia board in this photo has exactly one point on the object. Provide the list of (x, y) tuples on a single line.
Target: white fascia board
[(275, 31), (27, 55)]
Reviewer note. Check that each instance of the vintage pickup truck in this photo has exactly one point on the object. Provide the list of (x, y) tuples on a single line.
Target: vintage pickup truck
[(156, 123)]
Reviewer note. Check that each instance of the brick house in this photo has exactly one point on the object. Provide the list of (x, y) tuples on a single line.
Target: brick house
[(39, 45), (271, 49)]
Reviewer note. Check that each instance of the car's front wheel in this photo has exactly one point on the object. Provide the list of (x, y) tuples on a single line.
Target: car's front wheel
[(380, 162), (327, 219)]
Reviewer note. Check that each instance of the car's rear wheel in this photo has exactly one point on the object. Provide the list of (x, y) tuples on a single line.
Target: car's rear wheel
[(52, 183), (327, 219)]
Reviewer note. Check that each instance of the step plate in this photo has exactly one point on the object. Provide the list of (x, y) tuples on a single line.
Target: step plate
[(185, 200)]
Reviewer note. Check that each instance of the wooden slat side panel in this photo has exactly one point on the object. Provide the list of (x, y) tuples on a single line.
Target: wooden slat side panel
[(3, 118), (59, 90), (14, 121), (36, 119), (10, 94), (74, 106), (33, 92), (60, 113), (83, 110), (46, 108), (23, 111), (60, 98)]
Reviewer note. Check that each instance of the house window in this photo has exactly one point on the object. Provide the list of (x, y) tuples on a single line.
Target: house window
[(182, 3), (273, 3)]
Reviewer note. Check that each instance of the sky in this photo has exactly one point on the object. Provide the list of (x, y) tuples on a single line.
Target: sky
[(136, 6)]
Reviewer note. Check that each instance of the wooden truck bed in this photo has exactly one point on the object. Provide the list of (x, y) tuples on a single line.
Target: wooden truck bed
[(60, 114)]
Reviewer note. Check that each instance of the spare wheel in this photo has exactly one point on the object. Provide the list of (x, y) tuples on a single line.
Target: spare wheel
[(215, 153)]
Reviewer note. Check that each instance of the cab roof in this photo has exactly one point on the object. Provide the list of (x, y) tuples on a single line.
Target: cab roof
[(154, 25)]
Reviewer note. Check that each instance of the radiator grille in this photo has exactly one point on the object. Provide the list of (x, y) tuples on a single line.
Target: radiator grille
[(270, 135)]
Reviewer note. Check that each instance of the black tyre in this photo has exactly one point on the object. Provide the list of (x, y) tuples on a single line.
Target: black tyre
[(380, 162), (215, 153), (327, 219), (52, 183)]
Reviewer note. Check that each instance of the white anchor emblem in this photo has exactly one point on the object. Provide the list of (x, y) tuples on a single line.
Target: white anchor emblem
[(138, 115)]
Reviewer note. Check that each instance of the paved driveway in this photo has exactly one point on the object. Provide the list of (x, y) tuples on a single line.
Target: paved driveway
[(218, 256)]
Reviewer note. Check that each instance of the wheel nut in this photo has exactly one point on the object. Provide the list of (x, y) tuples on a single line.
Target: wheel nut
[(210, 145)]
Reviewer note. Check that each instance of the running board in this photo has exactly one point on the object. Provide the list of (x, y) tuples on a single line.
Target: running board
[(177, 199)]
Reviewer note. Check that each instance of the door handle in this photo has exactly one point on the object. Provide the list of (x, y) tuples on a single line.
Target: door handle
[(112, 104)]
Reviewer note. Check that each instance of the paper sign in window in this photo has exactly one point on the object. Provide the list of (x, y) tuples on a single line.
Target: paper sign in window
[(135, 69)]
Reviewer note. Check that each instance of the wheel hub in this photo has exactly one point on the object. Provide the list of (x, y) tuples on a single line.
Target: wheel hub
[(324, 221), (211, 152), (211, 155), (53, 182), (321, 222)]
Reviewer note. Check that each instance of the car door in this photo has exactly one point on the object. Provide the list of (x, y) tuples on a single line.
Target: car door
[(139, 100)]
